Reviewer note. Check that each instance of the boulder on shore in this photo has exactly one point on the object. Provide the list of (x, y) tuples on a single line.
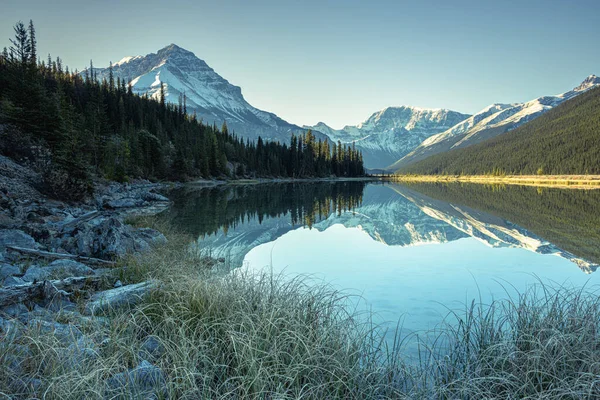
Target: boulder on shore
[(59, 269), (144, 381), (128, 295), (16, 237)]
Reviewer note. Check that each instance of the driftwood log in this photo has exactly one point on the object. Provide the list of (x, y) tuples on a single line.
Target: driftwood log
[(45, 289), (77, 221), (56, 256)]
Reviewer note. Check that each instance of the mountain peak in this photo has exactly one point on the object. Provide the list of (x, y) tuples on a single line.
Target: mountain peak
[(181, 73), (173, 49), (588, 82)]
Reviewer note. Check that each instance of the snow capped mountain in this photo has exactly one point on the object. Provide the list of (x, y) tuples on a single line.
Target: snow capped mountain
[(208, 94), (392, 132), (489, 122)]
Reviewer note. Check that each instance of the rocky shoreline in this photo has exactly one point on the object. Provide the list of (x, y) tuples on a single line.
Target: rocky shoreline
[(59, 273)]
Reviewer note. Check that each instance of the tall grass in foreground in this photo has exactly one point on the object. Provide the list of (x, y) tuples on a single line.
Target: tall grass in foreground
[(543, 343), (264, 337)]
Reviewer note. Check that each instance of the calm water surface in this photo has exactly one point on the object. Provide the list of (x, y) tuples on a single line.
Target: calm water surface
[(411, 252)]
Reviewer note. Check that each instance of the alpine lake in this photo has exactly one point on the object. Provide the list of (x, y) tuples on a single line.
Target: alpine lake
[(410, 253)]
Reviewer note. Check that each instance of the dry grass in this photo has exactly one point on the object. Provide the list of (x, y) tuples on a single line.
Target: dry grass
[(557, 181)]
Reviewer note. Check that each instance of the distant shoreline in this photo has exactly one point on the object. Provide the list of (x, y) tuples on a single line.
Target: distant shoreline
[(255, 181), (556, 181)]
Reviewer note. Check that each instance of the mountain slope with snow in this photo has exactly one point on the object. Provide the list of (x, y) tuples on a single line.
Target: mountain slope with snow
[(563, 141), (392, 132), (490, 122), (212, 97)]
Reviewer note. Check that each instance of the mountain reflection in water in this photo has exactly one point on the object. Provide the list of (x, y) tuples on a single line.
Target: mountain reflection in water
[(232, 220)]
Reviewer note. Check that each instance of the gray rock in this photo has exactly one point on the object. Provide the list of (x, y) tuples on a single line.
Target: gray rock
[(82, 352), (108, 237), (7, 270), (141, 246), (129, 295), (152, 348), (118, 284), (144, 381), (15, 356), (105, 271), (36, 273), (58, 269), (61, 304), (10, 328), (38, 312), (71, 267), (65, 333), (16, 237), (13, 281), (14, 310), (151, 236), (125, 203), (151, 196), (103, 238)]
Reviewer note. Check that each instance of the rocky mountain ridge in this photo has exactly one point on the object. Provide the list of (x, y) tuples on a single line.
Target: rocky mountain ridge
[(392, 132), (490, 122)]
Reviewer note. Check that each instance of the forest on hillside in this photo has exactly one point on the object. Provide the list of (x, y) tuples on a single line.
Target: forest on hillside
[(565, 140), (72, 127)]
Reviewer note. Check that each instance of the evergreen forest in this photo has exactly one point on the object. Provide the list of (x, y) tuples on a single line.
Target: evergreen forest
[(73, 127)]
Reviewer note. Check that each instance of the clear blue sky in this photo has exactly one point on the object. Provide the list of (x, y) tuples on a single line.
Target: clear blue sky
[(339, 61)]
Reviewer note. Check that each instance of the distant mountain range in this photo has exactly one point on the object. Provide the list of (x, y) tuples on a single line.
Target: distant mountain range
[(565, 140), (393, 132), (392, 138), (490, 122)]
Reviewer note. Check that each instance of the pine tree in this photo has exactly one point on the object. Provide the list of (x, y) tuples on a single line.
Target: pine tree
[(111, 77), (162, 96), (32, 44), (21, 45), (5, 55), (92, 75)]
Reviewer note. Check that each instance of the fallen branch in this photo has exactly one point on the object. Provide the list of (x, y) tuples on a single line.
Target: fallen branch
[(76, 221), (56, 256), (38, 290)]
